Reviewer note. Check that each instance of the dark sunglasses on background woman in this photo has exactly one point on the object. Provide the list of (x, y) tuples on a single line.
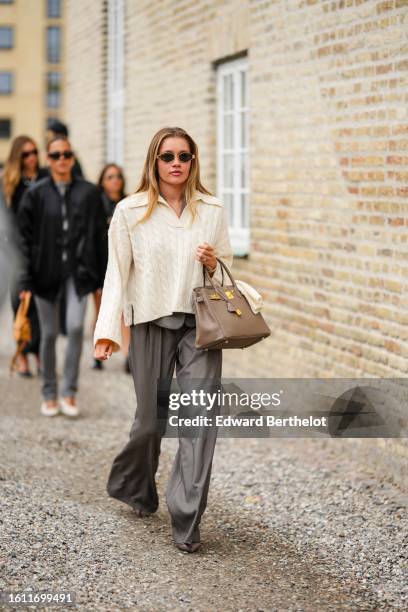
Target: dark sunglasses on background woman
[(57, 154), (26, 154)]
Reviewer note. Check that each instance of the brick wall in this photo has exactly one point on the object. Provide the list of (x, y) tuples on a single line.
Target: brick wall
[(329, 135), (328, 146), (328, 139)]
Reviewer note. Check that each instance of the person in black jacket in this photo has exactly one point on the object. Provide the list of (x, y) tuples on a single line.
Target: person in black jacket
[(21, 170), (63, 232)]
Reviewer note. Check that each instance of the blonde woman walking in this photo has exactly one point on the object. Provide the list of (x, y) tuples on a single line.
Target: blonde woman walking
[(159, 239), (21, 170)]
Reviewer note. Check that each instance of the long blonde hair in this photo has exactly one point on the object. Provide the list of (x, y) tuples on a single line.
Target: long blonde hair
[(150, 178), (12, 168)]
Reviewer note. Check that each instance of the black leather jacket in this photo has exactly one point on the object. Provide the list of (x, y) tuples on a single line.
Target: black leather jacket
[(40, 224)]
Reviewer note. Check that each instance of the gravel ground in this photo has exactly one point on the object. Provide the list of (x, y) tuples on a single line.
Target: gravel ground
[(290, 524)]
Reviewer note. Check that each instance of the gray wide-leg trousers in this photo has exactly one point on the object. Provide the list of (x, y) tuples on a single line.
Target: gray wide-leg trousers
[(154, 353)]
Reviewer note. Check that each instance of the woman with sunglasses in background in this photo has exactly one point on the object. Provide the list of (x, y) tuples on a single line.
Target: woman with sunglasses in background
[(64, 250), (20, 171), (111, 182), (159, 239)]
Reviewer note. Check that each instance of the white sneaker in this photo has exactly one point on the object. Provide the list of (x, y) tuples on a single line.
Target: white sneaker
[(67, 409), (47, 410)]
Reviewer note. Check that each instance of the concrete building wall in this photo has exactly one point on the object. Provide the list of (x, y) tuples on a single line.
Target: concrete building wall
[(86, 81)]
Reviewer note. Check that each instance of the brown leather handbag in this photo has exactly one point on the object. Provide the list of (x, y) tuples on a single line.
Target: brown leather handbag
[(224, 318)]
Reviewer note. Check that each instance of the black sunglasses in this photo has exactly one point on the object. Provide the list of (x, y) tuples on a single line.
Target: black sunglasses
[(57, 154), (183, 157), (26, 154)]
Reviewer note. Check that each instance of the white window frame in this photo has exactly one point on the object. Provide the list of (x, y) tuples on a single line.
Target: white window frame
[(116, 82), (234, 195)]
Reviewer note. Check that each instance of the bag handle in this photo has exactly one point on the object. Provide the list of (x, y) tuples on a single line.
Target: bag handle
[(216, 286), (222, 273), (224, 266), (26, 303)]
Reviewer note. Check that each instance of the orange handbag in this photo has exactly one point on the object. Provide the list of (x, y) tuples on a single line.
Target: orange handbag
[(21, 329)]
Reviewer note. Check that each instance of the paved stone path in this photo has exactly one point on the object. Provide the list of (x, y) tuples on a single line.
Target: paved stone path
[(290, 524)]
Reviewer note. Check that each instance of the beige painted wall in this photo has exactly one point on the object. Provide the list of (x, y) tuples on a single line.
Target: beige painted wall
[(27, 60)]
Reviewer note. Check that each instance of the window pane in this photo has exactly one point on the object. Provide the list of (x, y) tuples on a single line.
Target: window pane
[(5, 82), (228, 164), (243, 171), (53, 44), (53, 89), (243, 87), (244, 212), (53, 8), (233, 149), (228, 131), (229, 210), (6, 37), (5, 128), (243, 130), (228, 92)]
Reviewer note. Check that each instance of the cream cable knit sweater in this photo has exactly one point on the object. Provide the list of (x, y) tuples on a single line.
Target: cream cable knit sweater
[(152, 268)]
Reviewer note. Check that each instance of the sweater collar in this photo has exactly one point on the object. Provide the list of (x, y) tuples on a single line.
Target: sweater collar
[(140, 199)]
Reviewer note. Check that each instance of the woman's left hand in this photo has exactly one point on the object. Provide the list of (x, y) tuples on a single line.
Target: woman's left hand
[(205, 255)]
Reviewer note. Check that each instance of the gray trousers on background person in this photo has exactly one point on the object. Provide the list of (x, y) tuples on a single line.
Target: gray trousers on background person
[(48, 314), (154, 352)]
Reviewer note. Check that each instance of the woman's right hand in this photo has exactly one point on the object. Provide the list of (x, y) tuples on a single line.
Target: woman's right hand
[(103, 349)]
